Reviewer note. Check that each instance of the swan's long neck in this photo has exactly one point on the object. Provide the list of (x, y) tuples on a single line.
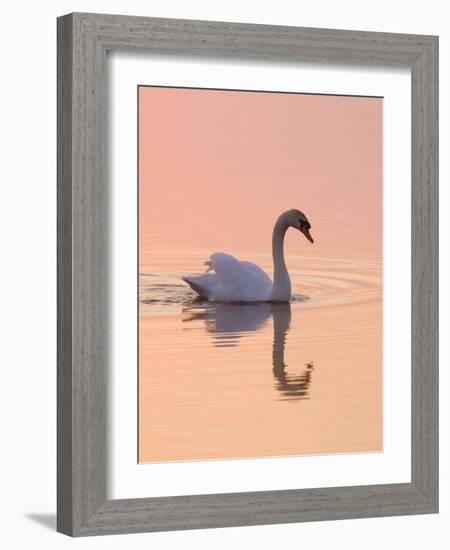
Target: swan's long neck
[(281, 291)]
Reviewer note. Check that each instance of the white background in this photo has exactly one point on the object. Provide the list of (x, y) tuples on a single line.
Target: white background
[(28, 300)]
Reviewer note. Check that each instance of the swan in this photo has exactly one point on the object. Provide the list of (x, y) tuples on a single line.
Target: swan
[(241, 281)]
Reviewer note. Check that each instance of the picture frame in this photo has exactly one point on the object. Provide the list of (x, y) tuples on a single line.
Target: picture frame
[(83, 41)]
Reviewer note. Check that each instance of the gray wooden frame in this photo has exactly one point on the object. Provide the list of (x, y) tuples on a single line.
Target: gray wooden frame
[(83, 40)]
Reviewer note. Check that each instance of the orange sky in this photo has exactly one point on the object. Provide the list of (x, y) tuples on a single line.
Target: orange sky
[(217, 167)]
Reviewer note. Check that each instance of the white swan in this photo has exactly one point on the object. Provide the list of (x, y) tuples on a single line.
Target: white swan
[(236, 281)]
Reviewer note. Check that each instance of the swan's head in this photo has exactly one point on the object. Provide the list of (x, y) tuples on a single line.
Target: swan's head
[(298, 220)]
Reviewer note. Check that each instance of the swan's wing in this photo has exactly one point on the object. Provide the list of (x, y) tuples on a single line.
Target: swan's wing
[(240, 281), (258, 271), (203, 285)]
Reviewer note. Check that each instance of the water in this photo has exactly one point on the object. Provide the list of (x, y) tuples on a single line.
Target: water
[(246, 380)]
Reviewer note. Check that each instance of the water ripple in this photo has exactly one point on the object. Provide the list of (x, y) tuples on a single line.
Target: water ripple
[(328, 284)]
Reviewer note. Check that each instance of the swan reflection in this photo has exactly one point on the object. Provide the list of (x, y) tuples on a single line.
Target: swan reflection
[(228, 323)]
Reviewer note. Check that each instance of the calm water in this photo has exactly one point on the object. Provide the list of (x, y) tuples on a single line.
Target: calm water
[(244, 380)]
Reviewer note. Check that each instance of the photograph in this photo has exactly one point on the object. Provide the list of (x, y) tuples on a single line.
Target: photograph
[(260, 274)]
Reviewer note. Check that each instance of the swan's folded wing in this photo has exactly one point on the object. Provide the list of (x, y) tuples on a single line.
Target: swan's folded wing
[(203, 285), (258, 271), (241, 280)]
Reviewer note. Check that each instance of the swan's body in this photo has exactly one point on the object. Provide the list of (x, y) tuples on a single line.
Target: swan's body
[(240, 281), (232, 281)]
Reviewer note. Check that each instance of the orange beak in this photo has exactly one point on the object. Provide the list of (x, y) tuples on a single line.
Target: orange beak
[(307, 234)]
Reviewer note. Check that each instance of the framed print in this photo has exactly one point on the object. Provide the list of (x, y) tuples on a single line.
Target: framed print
[(247, 274)]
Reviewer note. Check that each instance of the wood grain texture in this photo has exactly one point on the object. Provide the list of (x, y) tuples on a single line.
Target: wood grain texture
[(64, 298), (424, 276), (83, 40)]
